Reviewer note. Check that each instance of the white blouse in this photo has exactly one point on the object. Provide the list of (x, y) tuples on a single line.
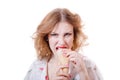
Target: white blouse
[(38, 71)]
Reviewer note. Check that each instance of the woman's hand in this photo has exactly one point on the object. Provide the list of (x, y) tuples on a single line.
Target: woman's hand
[(60, 75), (77, 61)]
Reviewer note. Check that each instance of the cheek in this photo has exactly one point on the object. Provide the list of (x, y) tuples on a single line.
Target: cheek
[(51, 43), (70, 42)]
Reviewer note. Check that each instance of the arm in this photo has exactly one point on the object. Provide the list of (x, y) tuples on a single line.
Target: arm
[(94, 73), (91, 71), (83, 67)]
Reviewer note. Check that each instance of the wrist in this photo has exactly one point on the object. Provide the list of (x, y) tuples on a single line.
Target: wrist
[(84, 75)]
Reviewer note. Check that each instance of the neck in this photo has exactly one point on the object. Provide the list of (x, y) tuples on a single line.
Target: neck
[(53, 59)]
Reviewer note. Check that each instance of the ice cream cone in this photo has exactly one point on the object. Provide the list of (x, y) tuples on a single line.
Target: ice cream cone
[(63, 60)]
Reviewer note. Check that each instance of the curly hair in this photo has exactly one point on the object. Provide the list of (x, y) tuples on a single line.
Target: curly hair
[(48, 23)]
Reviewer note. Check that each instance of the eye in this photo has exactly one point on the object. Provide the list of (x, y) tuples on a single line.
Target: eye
[(68, 34), (53, 34)]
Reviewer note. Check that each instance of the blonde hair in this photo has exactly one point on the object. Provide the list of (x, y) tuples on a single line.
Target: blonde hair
[(47, 25)]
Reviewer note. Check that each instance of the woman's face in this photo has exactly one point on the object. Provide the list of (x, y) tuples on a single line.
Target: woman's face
[(61, 37)]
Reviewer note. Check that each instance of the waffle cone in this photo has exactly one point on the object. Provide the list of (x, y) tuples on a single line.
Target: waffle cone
[(63, 61)]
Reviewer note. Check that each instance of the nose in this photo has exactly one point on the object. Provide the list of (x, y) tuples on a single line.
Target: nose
[(61, 40)]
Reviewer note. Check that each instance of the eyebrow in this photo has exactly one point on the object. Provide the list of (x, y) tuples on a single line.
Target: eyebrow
[(69, 32), (65, 32)]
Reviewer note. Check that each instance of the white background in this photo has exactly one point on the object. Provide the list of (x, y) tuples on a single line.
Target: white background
[(19, 20)]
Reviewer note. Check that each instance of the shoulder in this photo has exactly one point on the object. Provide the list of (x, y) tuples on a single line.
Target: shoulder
[(36, 69), (37, 64)]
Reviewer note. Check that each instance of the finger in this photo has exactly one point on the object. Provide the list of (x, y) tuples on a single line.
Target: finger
[(69, 53), (73, 60), (62, 78), (64, 75), (61, 68), (72, 54)]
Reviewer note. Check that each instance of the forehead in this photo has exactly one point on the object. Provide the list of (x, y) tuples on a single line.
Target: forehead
[(62, 26)]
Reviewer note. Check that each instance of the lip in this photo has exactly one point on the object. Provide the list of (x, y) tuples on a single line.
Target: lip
[(61, 47)]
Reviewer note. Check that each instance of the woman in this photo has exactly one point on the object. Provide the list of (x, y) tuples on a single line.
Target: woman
[(61, 32)]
